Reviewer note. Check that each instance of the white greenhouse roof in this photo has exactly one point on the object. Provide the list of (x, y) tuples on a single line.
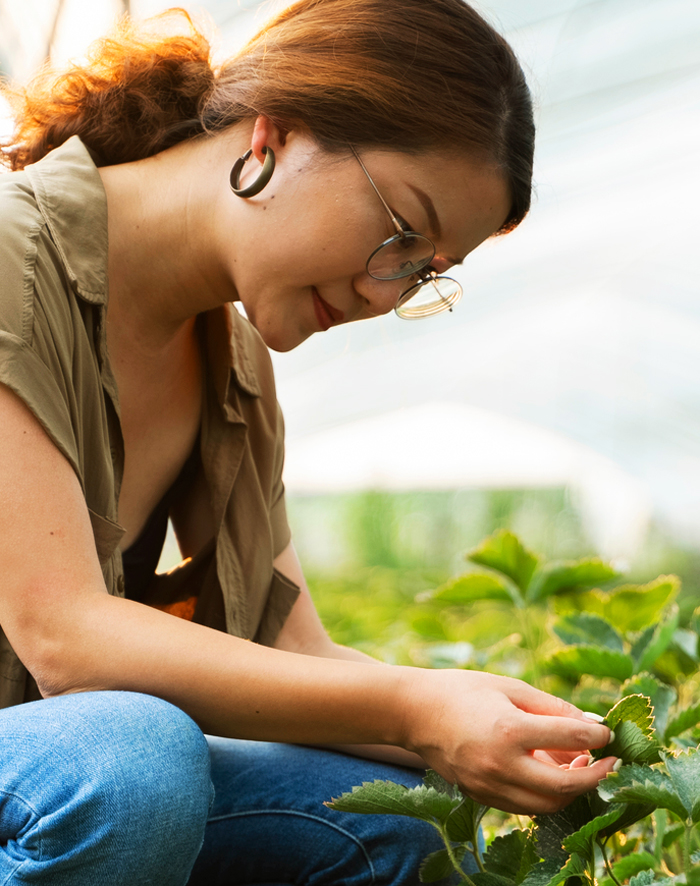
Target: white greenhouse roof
[(582, 327)]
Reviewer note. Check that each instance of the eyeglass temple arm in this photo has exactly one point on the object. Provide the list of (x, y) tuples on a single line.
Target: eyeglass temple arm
[(395, 221)]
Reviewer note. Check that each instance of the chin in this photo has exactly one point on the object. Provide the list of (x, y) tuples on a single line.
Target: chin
[(276, 340)]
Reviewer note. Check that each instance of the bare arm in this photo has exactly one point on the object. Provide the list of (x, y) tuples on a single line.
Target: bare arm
[(476, 729), (303, 632)]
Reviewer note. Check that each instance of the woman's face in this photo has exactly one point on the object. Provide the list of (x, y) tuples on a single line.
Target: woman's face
[(302, 245)]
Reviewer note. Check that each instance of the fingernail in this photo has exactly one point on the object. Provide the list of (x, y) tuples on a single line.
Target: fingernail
[(591, 761), (617, 765), (595, 717), (612, 737)]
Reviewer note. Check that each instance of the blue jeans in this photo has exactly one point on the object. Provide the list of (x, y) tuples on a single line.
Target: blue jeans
[(112, 788)]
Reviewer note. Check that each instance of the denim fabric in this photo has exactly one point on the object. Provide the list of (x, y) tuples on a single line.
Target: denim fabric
[(268, 824), (114, 789), (101, 788)]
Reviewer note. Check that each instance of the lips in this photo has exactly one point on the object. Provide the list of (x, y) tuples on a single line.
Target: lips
[(326, 314)]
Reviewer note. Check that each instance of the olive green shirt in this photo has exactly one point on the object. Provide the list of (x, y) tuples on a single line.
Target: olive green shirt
[(53, 355)]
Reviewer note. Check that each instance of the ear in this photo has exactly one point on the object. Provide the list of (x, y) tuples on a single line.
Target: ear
[(266, 134)]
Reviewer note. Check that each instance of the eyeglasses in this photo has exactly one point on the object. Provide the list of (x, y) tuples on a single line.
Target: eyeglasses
[(408, 254)]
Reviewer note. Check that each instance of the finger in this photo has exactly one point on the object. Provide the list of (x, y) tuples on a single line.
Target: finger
[(517, 800), (559, 758), (581, 762), (564, 785), (535, 701), (562, 734)]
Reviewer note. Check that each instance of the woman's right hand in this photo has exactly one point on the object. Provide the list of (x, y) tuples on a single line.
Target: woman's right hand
[(501, 740)]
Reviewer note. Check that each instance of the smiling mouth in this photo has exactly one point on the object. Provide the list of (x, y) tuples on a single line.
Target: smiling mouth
[(326, 314)]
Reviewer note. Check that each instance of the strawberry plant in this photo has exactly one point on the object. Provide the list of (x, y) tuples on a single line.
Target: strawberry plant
[(605, 642)]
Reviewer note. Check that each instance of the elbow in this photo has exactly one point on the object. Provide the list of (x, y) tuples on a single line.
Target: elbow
[(48, 661), (49, 647)]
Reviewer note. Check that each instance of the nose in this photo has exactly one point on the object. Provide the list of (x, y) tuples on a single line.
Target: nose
[(379, 296)]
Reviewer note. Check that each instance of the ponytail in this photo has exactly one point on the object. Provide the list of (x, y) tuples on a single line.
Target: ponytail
[(138, 93)]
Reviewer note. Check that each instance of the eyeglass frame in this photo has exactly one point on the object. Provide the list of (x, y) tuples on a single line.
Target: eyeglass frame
[(425, 277)]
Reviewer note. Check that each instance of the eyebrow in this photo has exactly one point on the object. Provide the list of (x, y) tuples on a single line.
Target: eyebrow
[(427, 204), (433, 219)]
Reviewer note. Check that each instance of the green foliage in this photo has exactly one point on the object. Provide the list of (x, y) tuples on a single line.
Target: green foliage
[(587, 629), (631, 720), (504, 553), (571, 576), (631, 654), (389, 798)]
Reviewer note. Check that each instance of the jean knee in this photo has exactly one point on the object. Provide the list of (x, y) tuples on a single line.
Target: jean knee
[(110, 780), (159, 767)]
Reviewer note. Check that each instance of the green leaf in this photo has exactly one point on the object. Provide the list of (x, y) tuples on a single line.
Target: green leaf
[(660, 640), (640, 784), (386, 797), (660, 695), (463, 822), (646, 878), (674, 834), (564, 577), (683, 720), (594, 660), (486, 879), (438, 865), (684, 770), (587, 629), (631, 719), (432, 779), (543, 873), (575, 867), (553, 829), (687, 641), (505, 553), (475, 586), (633, 864), (582, 841), (634, 607), (633, 709), (631, 745), (512, 855)]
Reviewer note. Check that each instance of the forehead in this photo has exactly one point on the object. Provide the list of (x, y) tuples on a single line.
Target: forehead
[(465, 199)]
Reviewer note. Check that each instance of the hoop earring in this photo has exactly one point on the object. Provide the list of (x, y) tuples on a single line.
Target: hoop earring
[(260, 182)]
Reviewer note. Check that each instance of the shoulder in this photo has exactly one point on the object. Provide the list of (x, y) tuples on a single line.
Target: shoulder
[(22, 226)]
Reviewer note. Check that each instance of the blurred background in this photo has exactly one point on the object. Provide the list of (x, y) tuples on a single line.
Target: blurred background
[(562, 397)]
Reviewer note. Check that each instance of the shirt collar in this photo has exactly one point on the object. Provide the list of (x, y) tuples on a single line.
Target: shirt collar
[(71, 197), (227, 337)]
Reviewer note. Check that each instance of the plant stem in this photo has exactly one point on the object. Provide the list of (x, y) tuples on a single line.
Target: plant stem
[(477, 858), (686, 848), (453, 858), (608, 868)]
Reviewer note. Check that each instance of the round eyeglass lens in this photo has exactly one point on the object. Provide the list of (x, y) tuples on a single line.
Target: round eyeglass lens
[(429, 297), (400, 256)]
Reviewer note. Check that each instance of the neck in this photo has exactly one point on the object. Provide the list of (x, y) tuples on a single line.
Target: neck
[(162, 211)]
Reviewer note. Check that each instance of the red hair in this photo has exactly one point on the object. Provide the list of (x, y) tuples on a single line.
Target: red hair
[(405, 75)]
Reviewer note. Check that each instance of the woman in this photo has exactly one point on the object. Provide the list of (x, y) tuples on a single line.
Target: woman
[(378, 143)]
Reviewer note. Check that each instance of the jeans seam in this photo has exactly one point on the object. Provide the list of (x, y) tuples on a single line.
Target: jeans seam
[(36, 814), (308, 815), (12, 874)]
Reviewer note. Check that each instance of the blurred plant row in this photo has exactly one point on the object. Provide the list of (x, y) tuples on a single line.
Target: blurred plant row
[(628, 652), (569, 624)]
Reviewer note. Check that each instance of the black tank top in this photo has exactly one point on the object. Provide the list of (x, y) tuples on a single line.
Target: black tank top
[(140, 559)]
